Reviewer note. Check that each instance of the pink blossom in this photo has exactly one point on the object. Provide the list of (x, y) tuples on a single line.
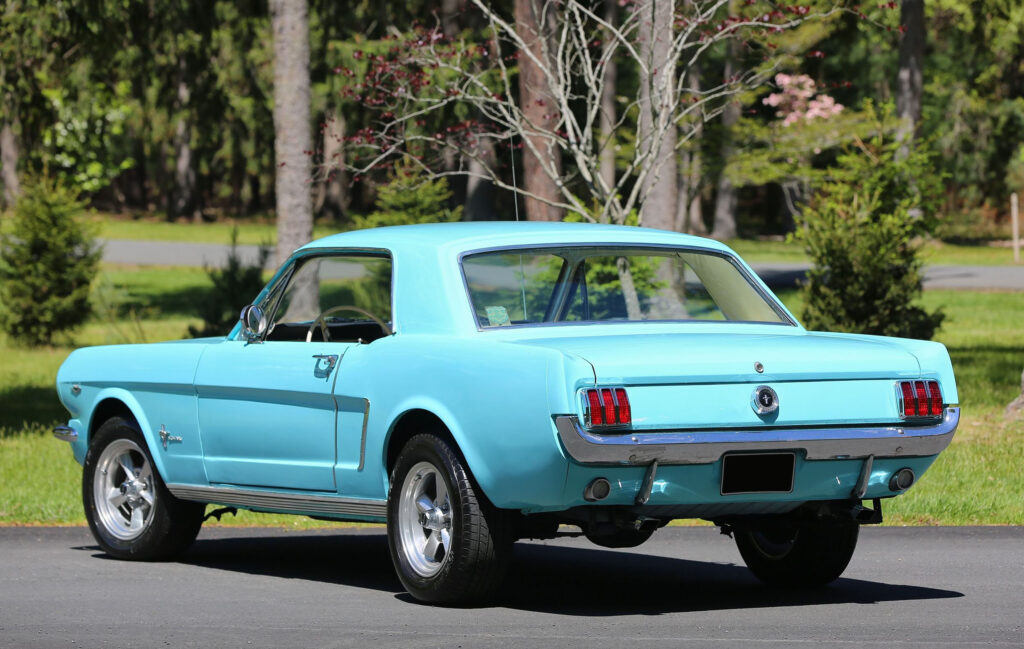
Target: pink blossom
[(798, 100)]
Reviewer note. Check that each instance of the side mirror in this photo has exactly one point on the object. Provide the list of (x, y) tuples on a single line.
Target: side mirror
[(254, 322)]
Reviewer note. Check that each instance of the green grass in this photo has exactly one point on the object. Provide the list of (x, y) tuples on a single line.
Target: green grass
[(933, 253), (976, 481), (250, 232), (256, 231)]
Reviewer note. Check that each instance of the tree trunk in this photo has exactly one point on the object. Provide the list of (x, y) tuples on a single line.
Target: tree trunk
[(658, 209), (183, 202), (725, 201), (292, 141), (9, 164), (332, 199), (608, 111), (479, 204), (534, 19), (689, 211), (911, 72)]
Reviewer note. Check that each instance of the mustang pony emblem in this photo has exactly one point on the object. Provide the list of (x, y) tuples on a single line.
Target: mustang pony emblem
[(764, 401)]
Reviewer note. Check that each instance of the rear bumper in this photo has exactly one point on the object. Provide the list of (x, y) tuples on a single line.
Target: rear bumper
[(695, 447)]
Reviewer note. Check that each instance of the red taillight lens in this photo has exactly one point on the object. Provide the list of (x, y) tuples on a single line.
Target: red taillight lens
[(921, 398), (596, 412), (608, 407), (625, 413), (909, 402), (934, 398)]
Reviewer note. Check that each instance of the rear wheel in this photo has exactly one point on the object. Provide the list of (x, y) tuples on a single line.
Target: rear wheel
[(130, 512), (799, 555), (448, 544)]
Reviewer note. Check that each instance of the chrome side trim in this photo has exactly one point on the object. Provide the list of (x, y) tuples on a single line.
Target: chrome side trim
[(696, 447), (65, 433), (300, 503), (362, 440)]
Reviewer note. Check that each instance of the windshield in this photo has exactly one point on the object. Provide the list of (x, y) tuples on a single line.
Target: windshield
[(605, 284)]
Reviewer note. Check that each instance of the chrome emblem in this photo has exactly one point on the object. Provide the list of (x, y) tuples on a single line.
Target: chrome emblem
[(764, 401), (758, 367)]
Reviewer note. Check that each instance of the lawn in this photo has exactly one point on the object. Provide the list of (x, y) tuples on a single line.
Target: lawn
[(256, 231), (933, 253), (976, 481)]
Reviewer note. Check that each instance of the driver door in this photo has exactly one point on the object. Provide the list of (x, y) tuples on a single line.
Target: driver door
[(267, 412)]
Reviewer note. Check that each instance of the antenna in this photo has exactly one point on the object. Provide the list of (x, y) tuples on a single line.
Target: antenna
[(515, 191)]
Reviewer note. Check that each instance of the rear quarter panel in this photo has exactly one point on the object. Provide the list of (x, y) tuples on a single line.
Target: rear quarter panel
[(496, 399)]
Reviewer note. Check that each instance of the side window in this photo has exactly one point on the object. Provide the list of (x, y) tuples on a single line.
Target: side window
[(349, 294)]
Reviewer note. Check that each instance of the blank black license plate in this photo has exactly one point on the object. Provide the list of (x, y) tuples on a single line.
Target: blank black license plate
[(761, 473)]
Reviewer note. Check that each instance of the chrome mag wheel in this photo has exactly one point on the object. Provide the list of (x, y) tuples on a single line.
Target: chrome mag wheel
[(123, 491), (425, 519)]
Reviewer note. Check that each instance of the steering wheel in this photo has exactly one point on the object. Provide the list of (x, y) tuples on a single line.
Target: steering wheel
[(322, 321)]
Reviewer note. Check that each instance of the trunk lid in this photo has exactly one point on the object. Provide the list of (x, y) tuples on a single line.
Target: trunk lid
[(707, 380)]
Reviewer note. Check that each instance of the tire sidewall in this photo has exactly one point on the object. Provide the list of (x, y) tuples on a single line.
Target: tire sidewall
[(425, 448), (162, 537)]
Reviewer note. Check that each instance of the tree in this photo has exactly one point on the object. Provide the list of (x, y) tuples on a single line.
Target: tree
[(863, 244), (47, 263), (655, 36), (542, 160), (911, 72), (292, 141), (425, 74)]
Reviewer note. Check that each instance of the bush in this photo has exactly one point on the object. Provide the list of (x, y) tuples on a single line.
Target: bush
[(48, 259), (234, 286), (861, 232), (411, 197)]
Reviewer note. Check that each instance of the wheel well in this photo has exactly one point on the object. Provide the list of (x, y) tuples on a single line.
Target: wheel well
[(410, 424), (107, 409)]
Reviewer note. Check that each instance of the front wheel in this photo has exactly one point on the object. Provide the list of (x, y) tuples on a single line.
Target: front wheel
[(448, 544), (807, 554), (131, 513)]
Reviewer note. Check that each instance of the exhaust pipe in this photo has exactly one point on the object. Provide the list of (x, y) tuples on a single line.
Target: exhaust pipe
[(902, 480), (598, 489)]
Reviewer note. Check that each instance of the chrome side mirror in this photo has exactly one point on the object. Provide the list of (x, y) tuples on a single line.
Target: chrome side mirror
[(254, 323)]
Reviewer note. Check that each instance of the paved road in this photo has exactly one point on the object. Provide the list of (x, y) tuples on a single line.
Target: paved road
[(775, 274), (906, 587)]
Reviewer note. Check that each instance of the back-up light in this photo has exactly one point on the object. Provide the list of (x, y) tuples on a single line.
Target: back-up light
[(919, 398), (606, 407)]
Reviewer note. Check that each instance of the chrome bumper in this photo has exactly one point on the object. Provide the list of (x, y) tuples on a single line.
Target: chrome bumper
[(65, 433), (696, 447)]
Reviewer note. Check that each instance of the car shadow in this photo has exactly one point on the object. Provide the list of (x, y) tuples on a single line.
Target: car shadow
[(542, 578)]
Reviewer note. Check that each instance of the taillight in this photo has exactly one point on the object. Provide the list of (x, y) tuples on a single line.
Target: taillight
[(919, 398), (607, 407)]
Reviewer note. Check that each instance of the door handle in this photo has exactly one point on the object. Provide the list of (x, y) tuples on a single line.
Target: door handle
[(332, 360)]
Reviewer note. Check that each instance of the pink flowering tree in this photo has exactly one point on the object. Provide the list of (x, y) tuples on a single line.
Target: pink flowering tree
[(788, 151)]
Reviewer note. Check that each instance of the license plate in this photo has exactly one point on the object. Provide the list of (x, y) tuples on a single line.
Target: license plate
[(758, 473)]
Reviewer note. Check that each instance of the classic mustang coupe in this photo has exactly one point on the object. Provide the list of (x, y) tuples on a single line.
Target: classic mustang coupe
[(472, 384)]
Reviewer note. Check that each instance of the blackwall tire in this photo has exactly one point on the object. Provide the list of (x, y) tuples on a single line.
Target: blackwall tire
[(449, 545), (804, 555), (131, 513)]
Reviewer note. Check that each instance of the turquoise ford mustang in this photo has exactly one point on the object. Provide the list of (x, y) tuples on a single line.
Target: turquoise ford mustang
[(471, 384)]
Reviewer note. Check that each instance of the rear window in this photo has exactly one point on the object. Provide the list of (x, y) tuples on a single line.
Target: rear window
[(602, 284)]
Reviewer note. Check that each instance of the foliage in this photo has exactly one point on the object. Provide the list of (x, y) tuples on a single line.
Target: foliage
[(234, 286), (411, 197), (48, 260), (863, 241)]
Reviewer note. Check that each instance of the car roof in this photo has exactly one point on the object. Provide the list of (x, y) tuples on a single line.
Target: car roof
[(467, 236)]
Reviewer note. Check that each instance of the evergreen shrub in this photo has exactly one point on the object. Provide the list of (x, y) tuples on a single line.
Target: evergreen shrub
[(862, 232), (48, 260)]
